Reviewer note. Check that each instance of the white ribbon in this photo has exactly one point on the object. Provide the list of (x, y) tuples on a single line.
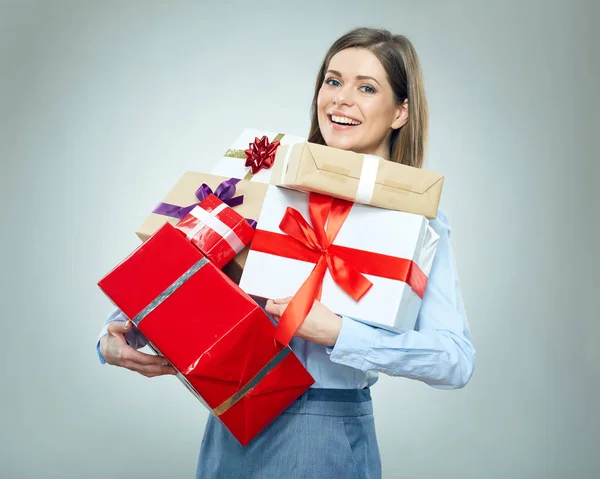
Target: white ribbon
[(368, 177), (286, 160), (210, 219)]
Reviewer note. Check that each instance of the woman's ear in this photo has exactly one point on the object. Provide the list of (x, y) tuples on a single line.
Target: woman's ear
[(401, 116)]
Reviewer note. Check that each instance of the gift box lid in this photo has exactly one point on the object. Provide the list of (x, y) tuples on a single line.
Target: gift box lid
[(344, 174)]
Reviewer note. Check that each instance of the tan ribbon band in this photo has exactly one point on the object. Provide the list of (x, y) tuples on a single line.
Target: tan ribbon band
[(170, 290), (250, 385)]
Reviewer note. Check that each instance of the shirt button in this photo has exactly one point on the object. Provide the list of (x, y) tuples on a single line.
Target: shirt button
[(345, 357)]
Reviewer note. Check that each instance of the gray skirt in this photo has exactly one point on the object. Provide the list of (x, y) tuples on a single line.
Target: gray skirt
[(326, 433)]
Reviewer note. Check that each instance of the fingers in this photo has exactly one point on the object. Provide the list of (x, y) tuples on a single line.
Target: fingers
[(130, 354), (148, 365), (119, 327), (117, 352), (149, 371), (274, 309), (283, 300), (164, 371)]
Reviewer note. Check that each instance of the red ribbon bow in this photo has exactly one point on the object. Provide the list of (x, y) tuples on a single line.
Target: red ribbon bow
[(346, 265), (321, 208), (261, 154)]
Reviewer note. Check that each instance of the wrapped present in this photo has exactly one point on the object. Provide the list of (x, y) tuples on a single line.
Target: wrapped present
[(366, 179), (216, 337), (218, 231), (253, 154), (244, 196), (364, 262)]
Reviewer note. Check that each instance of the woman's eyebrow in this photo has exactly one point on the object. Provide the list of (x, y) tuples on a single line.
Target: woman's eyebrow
[(358, 77), (367, 77)]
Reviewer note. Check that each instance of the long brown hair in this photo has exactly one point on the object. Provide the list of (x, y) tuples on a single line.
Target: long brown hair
[(399, 59)]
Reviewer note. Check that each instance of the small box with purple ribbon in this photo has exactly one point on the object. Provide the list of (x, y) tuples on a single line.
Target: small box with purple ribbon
[(245, 197), (218, 231)]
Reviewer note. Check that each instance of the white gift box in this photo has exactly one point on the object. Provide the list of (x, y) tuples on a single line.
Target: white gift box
[(232, 164), (390, 303)]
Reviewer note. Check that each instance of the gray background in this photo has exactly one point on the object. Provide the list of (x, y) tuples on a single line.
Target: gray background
[(104, 104)]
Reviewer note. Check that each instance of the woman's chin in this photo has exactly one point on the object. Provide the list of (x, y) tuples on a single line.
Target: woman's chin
[(341, 143)]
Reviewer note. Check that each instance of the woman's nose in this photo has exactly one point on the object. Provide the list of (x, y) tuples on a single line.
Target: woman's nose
[(343, 97)]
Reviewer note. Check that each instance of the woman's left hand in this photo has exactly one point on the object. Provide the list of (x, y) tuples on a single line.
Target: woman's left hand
[(321, 326)]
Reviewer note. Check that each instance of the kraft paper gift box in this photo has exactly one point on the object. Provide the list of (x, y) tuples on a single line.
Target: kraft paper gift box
[(366, 179), (217, 338), (244, 196), (292, 162), (391, 250), (218, 231), (252, 155)]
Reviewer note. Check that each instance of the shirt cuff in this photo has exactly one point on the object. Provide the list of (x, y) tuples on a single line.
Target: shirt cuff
[(100, 336), (354, 344), (100, 357)]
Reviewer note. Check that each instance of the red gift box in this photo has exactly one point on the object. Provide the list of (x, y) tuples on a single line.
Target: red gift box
[(217, 230), (219, 340)]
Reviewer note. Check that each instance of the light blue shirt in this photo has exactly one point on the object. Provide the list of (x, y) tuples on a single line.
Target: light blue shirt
[(439, 352)]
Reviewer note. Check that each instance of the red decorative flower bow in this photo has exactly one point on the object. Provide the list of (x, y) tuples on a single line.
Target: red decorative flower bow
[(315, 244), (261, 154)]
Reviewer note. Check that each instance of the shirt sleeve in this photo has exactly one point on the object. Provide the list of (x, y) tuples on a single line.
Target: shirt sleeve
[(134, 340), (439, 352)]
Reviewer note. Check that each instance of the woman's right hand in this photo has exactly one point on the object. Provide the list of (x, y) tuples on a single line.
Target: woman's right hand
[(116, 351)]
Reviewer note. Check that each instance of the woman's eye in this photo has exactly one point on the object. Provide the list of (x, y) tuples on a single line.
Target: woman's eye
[(332, 82), (367, 89)]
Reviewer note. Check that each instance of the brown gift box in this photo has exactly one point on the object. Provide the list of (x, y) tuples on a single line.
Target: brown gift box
[(184, 194), (311, 167)]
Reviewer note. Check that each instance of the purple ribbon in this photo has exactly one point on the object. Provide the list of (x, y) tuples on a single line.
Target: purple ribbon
[(225, 192)]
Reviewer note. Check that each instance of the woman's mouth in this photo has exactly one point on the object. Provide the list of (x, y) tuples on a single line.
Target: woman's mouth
[(342, 122)]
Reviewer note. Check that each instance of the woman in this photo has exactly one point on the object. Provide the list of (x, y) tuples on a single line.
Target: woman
[(369, 98)]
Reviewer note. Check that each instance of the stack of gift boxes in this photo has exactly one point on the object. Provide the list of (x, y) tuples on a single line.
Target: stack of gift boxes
[(277, 217)]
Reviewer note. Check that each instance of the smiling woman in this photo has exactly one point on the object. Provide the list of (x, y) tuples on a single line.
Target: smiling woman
[(357, 111), (370, 99)]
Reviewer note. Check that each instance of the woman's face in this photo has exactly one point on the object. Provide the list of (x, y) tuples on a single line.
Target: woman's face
[(355, 105)]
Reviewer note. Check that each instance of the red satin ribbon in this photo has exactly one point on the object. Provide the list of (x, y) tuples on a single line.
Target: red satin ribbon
[(346, 265)]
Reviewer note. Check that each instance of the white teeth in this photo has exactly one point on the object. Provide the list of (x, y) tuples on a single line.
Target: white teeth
[(343, 119)]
